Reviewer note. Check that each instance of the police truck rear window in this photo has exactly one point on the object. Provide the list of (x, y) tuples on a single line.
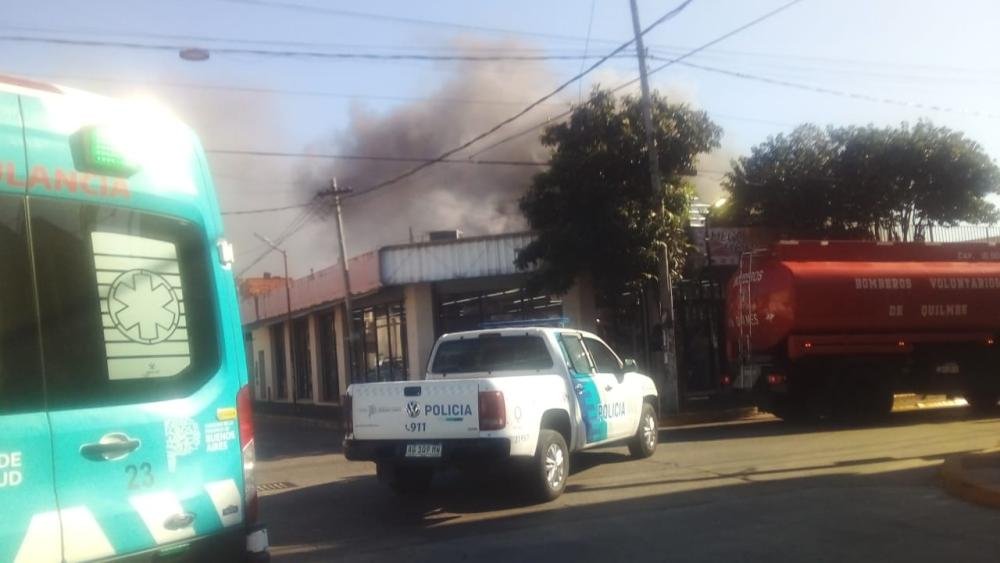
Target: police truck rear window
[(491, 352)]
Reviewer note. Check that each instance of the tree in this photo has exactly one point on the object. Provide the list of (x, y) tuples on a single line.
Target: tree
[(862, 182), (594, 209)]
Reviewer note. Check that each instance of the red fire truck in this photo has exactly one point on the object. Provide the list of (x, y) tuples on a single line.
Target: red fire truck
[(824, 328)]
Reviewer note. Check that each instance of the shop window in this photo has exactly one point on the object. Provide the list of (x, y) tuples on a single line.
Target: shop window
[(302, 358), (380, 350), (471, 310), (329, 375)]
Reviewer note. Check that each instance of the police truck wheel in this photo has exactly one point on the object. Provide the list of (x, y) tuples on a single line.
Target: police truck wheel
[(643, 444), (405, 480), (551, 465)]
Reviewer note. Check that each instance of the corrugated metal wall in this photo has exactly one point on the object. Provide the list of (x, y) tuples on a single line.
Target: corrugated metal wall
[(458, 259)]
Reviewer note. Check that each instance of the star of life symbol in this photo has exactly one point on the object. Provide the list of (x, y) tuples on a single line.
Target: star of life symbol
[(143, 306)]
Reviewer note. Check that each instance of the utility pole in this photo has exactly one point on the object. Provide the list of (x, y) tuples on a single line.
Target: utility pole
[(288, 316), (344, 270), (671, 389)]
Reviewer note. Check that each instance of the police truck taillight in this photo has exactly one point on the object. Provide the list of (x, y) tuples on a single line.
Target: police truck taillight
[(492, 410), (244, 412)]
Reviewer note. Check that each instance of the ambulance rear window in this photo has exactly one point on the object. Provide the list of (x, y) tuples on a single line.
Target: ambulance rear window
[(126, 304)]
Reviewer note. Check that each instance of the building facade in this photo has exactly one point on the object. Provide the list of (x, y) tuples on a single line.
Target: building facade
[(403, 298)]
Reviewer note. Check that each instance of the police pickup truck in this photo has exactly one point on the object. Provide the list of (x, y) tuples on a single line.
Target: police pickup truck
[(529, 396)]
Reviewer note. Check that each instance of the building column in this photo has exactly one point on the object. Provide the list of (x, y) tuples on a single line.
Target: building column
[(418, 303), (314, 357), (289, 367), (262, 343), (340, 336), (580, 306)]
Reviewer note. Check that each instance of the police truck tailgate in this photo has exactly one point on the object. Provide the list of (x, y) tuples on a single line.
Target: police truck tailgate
[(421, 410)]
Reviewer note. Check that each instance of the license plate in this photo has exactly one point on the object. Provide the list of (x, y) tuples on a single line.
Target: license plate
[(423, 450)]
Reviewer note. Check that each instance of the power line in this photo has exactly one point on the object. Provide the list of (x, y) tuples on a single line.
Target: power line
[(715, 41), (293, 54), (403, 19), (246, 41), (268, 209), (840, 93), (290, 230), (258, 90), (689, 53), (586, 46), (353, 96), (585, 39), (376, 158), (527, 109)]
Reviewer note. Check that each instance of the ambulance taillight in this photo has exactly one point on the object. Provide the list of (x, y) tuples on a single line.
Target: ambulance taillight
[(244, 410)]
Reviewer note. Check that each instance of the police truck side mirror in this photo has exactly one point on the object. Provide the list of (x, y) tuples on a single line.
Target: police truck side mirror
[(630, 365)]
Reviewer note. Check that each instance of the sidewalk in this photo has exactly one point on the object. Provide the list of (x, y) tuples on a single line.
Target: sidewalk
[(974, 477)]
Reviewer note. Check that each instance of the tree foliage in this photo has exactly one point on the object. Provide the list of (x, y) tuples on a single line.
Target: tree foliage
[(594, 209), (862, 182)]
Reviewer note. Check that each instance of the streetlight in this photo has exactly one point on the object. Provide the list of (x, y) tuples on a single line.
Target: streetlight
[(194, 54), (288, 315)]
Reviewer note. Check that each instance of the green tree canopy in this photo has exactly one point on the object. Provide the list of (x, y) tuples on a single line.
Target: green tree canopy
[(862, 182), (594, 209)]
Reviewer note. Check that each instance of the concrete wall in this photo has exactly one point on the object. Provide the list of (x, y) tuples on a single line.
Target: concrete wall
[(418, 301), (261, 342), (289, 368), (314, 359), (339, 321)]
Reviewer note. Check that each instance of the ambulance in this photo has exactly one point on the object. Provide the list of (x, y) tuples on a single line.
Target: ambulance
[(125, 416)]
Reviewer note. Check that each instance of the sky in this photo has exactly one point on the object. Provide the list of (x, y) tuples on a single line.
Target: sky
[(918, 59)]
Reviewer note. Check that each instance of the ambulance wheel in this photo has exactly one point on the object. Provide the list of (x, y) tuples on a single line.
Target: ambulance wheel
[(550, 467), (643, 444), (405, 480)]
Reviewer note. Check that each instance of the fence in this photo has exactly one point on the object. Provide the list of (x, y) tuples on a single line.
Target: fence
[(962, 233)]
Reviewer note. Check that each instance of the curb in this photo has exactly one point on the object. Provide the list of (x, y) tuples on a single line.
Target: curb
[(916, 402), (709, 416), (957, 481)]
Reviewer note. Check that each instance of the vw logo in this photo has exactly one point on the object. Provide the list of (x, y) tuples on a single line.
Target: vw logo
[(413, 409)]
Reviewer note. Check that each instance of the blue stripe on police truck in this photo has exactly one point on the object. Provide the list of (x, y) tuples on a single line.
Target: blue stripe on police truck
[(590, 406)]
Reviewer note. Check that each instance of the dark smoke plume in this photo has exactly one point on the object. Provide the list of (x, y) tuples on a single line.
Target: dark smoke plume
[(476, 199)]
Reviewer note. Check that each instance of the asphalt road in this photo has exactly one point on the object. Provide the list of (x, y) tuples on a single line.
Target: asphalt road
[(750, 491)]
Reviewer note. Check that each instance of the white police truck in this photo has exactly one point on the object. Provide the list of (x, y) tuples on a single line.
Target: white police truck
[(524, 395)]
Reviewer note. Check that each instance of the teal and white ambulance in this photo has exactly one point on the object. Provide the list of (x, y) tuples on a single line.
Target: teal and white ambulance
[(125, 420)]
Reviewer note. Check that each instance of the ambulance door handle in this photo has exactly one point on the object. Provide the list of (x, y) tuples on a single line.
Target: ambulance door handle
[(110, 447), (608, 388)]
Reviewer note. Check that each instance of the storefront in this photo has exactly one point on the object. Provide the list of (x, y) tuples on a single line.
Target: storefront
[(404, 297)]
